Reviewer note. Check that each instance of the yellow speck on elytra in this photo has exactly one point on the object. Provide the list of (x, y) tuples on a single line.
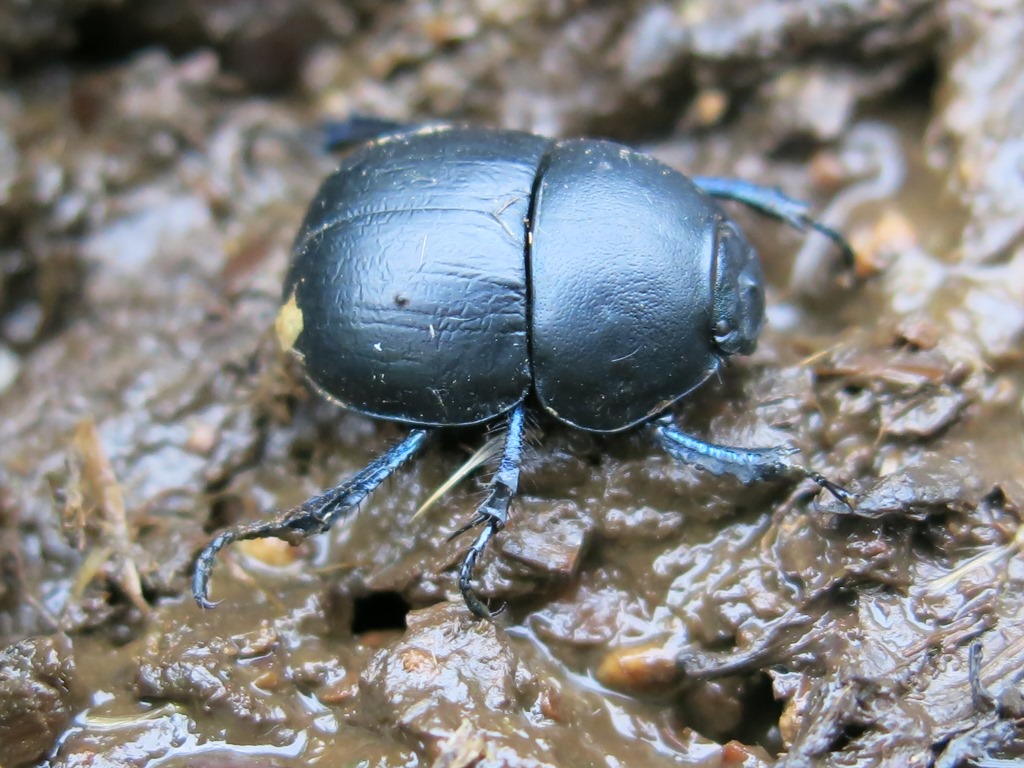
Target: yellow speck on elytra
[(288, 324)]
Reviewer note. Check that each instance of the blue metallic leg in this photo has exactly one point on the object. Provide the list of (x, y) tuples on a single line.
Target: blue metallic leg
[(313, 516), (493, 513), (341, 134), (746, 464), (772, 202)]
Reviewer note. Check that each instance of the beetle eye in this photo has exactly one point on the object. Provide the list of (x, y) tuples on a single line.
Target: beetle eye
[(752, 292)]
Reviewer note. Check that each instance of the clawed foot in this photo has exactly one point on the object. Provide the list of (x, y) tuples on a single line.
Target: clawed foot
[(313, 516), (490, 526), (292, 526), (797, 214), (840, 493)]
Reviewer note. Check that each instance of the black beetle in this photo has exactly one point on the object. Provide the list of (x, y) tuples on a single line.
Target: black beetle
[(443, 275)]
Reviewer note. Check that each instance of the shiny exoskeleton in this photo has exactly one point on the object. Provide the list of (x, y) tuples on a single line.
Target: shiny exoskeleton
[(447, 276)]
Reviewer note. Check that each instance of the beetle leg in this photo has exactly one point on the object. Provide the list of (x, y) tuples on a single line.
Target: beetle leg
[(747, 464), (493, 513), (342, 134), (771, 201), (313, 516)]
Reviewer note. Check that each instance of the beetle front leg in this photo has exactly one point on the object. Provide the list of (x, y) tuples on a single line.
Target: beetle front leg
[(772, 202), (746, 464), (313, 516), (493, 513)]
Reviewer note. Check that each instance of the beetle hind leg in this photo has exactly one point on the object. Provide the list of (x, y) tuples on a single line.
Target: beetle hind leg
[(492, 515), (313, 516), (342, 134), (746, 464)]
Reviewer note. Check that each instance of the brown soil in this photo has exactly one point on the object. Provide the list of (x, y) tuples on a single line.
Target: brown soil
[(155, 160)]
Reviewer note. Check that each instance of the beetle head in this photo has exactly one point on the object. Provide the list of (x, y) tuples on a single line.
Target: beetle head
[(737, 309)]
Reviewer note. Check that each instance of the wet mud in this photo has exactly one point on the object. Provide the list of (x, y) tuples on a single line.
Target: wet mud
[(155, 162)]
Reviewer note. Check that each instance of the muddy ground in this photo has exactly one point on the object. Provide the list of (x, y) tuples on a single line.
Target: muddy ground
[(155, 160)]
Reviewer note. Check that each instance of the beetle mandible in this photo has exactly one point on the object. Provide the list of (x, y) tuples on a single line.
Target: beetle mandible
[(446, 276)]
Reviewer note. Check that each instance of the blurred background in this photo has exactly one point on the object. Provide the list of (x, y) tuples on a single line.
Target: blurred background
[(155, 160)]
